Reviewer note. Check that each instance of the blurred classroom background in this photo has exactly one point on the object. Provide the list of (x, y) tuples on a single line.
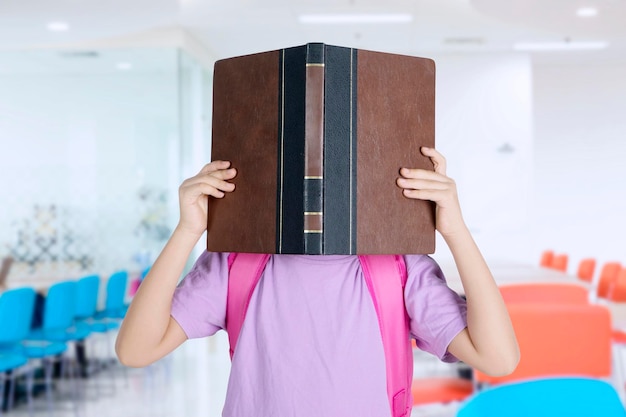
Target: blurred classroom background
[(106, 107)]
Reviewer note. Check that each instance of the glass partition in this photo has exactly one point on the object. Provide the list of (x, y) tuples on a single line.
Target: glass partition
[(91, 149)]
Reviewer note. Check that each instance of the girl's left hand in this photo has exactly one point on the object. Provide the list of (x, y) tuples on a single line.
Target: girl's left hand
[(435, 186)]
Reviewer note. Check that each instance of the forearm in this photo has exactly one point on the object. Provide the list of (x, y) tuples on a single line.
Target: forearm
[(144, 328), (488, 324)]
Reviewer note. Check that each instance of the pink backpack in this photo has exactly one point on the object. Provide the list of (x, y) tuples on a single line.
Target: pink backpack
[(388, 298)]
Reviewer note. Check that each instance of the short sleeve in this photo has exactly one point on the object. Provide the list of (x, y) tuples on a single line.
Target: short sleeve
[(437, 313), (199, 303)]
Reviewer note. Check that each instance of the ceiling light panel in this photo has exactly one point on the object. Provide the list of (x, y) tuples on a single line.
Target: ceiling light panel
[(58, 26), (560, 46), (587, 12), (348, 18)]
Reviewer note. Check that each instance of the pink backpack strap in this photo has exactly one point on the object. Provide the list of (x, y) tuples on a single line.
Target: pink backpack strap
[(242, 279), (386, 276)]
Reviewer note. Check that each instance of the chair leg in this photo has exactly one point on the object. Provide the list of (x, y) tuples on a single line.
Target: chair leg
[(11, 397), (30, 382), (48, 371), (81, 358), (74, 375), (2, 383)]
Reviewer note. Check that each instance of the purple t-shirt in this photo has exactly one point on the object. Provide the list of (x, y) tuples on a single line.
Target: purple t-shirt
[(310, 345)]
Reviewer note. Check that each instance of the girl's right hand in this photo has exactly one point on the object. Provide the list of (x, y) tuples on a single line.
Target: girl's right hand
[(212, 180)]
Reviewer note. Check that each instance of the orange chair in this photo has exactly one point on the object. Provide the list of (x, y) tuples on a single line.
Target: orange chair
[(559, 340), (618, 294), (544, 293), (546, 258), (606, 280), (559, 262), (586, 268)]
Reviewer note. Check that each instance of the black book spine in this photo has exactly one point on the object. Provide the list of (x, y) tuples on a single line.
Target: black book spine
[(314, 150), (290, 189), (317, 137), (340, 151)]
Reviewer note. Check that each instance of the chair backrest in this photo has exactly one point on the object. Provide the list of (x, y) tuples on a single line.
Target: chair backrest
[(546, 258), (16, 313), (553, 397), (543, 293), (586, 268), (618, 293), (87, 296), (116, 291), (559, 262), (60, 306), (559, 340), (607, 277)]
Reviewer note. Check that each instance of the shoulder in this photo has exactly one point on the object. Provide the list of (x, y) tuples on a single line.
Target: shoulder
[(424, 271), (207, 279), (208, 264), (199, 302), (422, 265), (208, 259)]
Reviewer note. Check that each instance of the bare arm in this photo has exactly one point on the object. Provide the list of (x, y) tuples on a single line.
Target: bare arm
[(488, 343), (148, 331)]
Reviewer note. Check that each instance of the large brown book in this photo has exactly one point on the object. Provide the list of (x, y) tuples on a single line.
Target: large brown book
[(318, 134)]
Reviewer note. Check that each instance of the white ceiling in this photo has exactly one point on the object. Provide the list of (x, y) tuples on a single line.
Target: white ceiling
[(235, 27)]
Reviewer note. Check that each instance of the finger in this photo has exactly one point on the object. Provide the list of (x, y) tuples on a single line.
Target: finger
[(214, 166), (224, 174), (431, 195), (211, 182), (422, 184), (219, 184), (193, 192), (438, 160), (417, 173)]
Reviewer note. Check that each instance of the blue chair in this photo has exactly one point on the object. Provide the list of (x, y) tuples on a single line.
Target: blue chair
[(59, 329), (550, 397), (59, 323), (115, 303), (87, 289), (9, 363), (16, 312)]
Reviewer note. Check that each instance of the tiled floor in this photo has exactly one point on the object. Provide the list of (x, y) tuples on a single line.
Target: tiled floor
[(189, 383)]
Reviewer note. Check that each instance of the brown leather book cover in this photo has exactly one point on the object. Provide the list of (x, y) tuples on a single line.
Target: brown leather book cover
[(318, 134)]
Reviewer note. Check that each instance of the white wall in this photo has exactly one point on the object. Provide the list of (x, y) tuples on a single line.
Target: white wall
[(580, 153), (562, 188), (484, 104)]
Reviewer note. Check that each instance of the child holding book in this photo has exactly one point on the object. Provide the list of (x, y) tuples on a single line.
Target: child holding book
[(311, 344)]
